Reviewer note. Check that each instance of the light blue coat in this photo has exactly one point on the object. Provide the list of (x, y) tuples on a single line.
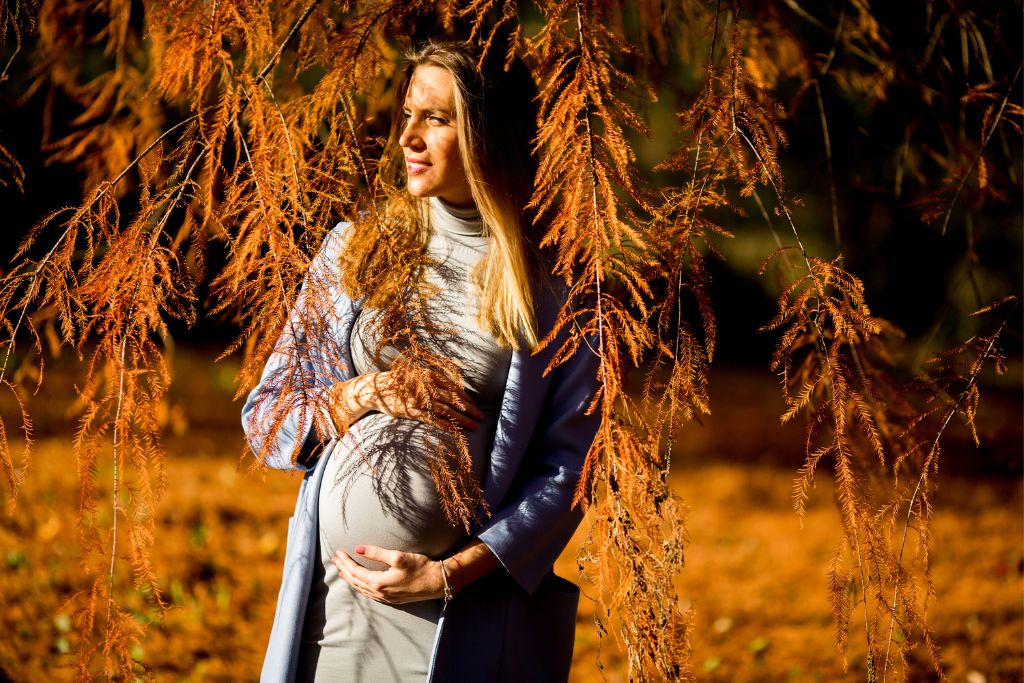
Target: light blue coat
[(512, 625)]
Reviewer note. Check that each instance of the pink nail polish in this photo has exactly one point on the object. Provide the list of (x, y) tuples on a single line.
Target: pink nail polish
[(360, 549)]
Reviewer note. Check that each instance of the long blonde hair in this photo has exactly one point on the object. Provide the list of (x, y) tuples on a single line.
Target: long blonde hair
[(495, 120)]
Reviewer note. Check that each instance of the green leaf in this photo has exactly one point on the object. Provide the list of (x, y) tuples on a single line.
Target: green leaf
[(759, 644)]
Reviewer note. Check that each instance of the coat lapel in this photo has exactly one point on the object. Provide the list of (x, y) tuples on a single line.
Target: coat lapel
[(520, 408)]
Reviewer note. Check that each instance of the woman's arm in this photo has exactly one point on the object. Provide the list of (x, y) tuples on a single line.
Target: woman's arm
[(291, 397), (536, 519), (394, 394)]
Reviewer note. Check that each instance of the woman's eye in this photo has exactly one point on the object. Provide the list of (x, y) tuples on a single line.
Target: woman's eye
[(439, 120)]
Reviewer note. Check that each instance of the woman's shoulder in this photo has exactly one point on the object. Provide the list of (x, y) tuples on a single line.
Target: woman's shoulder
[(335, 238), (331, 246)]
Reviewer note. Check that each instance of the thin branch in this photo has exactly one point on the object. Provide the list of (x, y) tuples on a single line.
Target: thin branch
[(828, 163), (693, 180), (801, 12), (291, 152), (596, 214), (306, 400), (117, 482), (17, 49), (817, 23), (977, 157), (901, 164), (118, 432), (835, 44), (819, 347), (42, 263), (288, 38), (771, 228), (362, 160), (933, 41), (803, 251), (108, 186), (824, 126), (950, 412)]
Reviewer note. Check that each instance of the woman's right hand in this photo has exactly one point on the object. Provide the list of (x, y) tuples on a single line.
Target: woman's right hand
[(395, 394)]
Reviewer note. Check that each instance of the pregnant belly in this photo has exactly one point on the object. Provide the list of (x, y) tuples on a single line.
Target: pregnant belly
[(377, 490)]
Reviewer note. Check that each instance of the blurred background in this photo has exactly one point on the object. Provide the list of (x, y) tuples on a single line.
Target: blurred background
[(755, 576)]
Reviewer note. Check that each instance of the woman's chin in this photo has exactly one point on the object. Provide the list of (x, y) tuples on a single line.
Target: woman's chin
[(417, 189)]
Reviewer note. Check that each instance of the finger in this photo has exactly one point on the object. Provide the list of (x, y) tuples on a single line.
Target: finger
[(460, 401), (392, 558), (356, 575), (444, 406), (342, 562), (458, 390), (451, 414), (346, 565), (433, 413), (445, 383)]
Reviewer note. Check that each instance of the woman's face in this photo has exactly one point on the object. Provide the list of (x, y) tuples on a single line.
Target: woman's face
[(430, 140)]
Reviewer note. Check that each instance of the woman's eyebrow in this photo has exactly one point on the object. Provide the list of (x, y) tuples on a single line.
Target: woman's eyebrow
[(429, 110)]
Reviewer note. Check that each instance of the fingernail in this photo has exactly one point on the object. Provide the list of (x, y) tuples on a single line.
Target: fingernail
[(360, 549)]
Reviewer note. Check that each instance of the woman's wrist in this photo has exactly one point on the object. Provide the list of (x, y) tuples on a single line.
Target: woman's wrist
[(474, 561), (352, 399), (458, 576), (447, 586)]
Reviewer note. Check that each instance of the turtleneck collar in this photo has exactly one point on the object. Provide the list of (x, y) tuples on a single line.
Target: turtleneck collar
[(454, 220)]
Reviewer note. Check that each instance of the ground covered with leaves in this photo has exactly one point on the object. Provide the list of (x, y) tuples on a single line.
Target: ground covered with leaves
[(754, 577)]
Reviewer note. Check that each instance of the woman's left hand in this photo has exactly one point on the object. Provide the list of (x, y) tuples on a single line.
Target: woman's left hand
[(409, 577)]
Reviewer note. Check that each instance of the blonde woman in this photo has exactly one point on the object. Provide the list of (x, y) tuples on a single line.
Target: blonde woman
[(378, 583)]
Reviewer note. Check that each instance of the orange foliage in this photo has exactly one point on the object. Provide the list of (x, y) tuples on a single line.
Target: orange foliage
[(255, 125)]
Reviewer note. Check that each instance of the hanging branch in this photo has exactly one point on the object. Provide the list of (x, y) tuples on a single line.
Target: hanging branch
[(840, 383), (944, 371), (992, 126), (125, 307), (685, 393), (588, 195), (829, 323)]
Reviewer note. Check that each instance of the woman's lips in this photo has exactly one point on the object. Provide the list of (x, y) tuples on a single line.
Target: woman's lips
[(416, 166)]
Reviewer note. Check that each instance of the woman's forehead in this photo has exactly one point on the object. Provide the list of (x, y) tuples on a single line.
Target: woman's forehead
[(430, 88)]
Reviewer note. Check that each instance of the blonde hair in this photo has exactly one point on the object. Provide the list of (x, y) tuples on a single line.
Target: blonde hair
[(495, 121)]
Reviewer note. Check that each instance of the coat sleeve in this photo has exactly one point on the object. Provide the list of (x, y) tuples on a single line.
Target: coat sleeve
[(285, 416), (537, 518)]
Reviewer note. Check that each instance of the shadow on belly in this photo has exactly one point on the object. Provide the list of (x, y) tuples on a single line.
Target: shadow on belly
[(378, 490)]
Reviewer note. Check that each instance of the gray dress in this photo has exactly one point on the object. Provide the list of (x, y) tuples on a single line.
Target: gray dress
[(377, 488)]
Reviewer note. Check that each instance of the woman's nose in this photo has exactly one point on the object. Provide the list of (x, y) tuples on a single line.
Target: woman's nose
[(410, 136)]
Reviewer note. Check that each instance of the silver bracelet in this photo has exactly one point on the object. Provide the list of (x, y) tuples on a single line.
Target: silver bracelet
[(447, 589)]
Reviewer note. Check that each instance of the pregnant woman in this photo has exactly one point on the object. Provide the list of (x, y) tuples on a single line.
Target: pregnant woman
[(379, 583)]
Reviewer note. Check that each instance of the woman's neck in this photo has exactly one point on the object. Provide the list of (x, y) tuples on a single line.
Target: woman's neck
[(456, 220)]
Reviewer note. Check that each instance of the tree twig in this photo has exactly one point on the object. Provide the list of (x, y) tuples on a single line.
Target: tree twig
[(950, 412), (117, 431), (977, 157)]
